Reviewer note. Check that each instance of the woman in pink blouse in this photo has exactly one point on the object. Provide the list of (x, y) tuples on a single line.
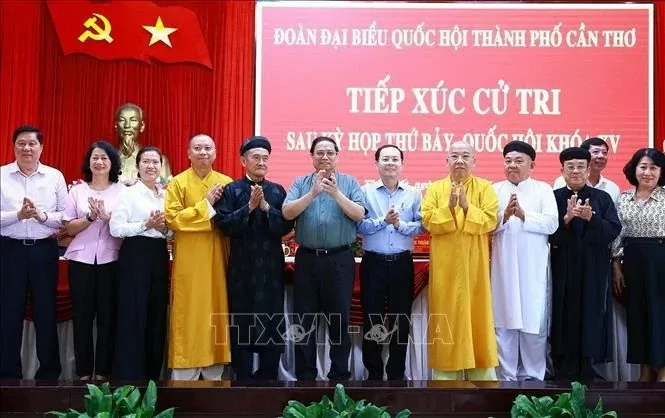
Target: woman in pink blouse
[(638, 255), (93, 255)]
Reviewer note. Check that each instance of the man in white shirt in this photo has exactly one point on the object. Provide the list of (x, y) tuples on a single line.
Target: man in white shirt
[(520, 266), (599, 151), (32, 202)]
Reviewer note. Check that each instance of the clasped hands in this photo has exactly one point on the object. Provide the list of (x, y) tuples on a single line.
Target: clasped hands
[(97, 210), (458, 195), (392, 217), (257, 199), (29, 210), (214, 193), (575, 209), (157, 221), (324, 184), (513, 209)]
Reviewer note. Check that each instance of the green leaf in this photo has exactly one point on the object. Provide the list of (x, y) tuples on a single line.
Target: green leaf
[(122, 392), (340, 399), (133, 399), (524, 407), (145, 412), (106, 388), (325, 403), (91, 403), (369, 412), (103, 415), (577, 400), (328, 413), (315, 410), (292, 413), (94, 390), (57, 414), (106, 404), (563, 401), (167, 413), (294, 409), (150, 396), (543, 404), (404, 413)]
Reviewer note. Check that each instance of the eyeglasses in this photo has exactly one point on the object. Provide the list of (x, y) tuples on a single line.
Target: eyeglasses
[(464, 157), (573, 168), (321, 154)]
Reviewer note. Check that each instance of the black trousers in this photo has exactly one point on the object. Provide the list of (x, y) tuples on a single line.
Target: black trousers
[(644, 272), (92, 292), (142, 295), (386, 287), (243, 363), (29, 265), (323, 283)]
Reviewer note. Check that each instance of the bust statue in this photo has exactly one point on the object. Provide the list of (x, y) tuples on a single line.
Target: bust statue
[(129, 125)]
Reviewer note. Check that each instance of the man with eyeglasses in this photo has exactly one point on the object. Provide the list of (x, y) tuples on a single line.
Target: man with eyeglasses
[(620, 369), (599, 151), (520, 266), (580, 257), (386, 271), (460, 212), (326, 205)]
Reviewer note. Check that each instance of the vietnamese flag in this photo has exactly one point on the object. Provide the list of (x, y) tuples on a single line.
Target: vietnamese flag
[(129, 30)]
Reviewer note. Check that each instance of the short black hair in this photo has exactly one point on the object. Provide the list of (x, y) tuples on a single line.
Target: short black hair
[(587, 143), (656, 156), (114, 157), (321, 139), (377, 154), (143, 151), (28, 129)]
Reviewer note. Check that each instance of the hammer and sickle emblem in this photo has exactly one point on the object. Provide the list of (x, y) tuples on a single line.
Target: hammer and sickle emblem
[(97, 33)]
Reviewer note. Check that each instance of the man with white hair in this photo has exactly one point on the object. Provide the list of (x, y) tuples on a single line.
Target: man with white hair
[(199, 342)]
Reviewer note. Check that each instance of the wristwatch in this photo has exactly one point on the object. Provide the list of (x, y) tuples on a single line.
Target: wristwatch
[(89, 218)]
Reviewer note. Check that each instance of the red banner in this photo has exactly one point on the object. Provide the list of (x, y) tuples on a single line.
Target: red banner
[(424, 75), (129, 30)]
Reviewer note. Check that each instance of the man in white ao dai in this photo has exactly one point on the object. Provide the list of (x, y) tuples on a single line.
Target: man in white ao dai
[(520, 266)]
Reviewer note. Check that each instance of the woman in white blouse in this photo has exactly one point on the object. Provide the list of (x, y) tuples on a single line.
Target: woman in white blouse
[(638, 255), (143, 272)]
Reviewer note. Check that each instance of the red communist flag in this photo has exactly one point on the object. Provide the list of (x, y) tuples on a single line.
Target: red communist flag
[(129, 30)]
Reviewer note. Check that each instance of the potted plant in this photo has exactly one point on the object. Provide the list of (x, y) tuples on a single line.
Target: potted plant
[(569, 404), (124, 402), (341, 406)]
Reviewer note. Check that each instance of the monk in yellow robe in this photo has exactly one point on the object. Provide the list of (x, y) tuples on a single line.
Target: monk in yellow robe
[(460, 212), (199, 338)]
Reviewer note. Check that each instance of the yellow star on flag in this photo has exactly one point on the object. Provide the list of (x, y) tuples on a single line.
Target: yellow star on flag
[(159, 32)]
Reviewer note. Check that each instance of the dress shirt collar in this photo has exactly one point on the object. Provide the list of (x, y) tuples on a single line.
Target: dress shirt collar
[(658, 194), (379, 184), (143, 189), (14, 168), (601, 182)]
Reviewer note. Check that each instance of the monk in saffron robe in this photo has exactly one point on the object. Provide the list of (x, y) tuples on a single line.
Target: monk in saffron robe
[(460, 211), (199, 340)]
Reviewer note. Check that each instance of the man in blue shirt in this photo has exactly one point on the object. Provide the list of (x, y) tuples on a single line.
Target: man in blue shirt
[(386, 271), (326, 205)]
